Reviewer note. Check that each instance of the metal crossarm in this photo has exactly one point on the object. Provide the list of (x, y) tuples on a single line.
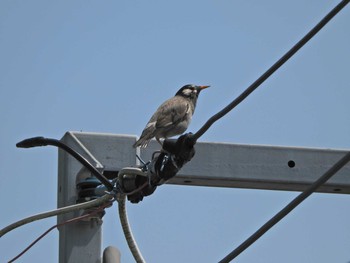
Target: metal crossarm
[(234, 165)]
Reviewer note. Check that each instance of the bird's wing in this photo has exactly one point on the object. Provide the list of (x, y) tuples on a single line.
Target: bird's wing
[(172, 112)]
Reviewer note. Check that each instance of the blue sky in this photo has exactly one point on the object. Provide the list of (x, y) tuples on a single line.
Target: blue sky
[(105, 66)]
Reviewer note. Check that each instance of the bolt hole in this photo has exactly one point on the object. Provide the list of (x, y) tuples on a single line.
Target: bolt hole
[(187, 181), (337, 190), (291, 164)]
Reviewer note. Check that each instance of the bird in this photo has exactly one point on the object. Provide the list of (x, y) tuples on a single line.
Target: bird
[(172, 117)]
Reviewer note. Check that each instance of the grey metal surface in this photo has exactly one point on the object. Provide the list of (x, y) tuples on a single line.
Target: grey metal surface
[(260, 167), (215, 164), (235, 165), (81, 241)]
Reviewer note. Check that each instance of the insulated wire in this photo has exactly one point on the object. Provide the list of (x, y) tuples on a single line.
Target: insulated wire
[(242, 97), (287, 209), (127, 230), (122, 208), (271, 70), (41, 141), (123, 216), (99, 209), (64, 210)]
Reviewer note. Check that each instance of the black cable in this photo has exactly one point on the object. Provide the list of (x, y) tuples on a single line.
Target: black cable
[(287, 209), (41, 141), (271, 70)]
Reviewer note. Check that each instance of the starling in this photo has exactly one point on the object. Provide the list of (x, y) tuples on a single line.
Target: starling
[(172, 117)]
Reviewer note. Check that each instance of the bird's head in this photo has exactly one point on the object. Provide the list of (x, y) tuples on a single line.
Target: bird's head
[(190, 91)]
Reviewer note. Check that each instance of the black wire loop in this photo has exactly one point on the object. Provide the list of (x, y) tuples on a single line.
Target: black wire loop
[(42, 141)]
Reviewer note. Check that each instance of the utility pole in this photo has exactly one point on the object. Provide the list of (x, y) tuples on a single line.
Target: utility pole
[(215, 164), (82, 241)]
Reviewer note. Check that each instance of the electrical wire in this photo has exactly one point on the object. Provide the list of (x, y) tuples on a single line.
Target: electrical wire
[(97, 210), (64, 210), (123, 216), (42, 141), (127, 230), (138, 189), (261, 231), (271, 70), (287, 209), (121, 200)]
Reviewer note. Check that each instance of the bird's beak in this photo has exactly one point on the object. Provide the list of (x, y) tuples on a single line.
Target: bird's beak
[(203, 87)]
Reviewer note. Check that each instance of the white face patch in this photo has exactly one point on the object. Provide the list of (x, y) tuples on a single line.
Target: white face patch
[(188, 92)]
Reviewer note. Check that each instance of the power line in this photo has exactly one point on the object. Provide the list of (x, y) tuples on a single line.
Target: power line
[(63, 210), (135, 251), (271, 70), (287, 209), (98, 209), (116, 187), (42, 141)]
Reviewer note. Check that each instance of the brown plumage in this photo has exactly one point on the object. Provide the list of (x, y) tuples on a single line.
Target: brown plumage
[(172, 117)]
